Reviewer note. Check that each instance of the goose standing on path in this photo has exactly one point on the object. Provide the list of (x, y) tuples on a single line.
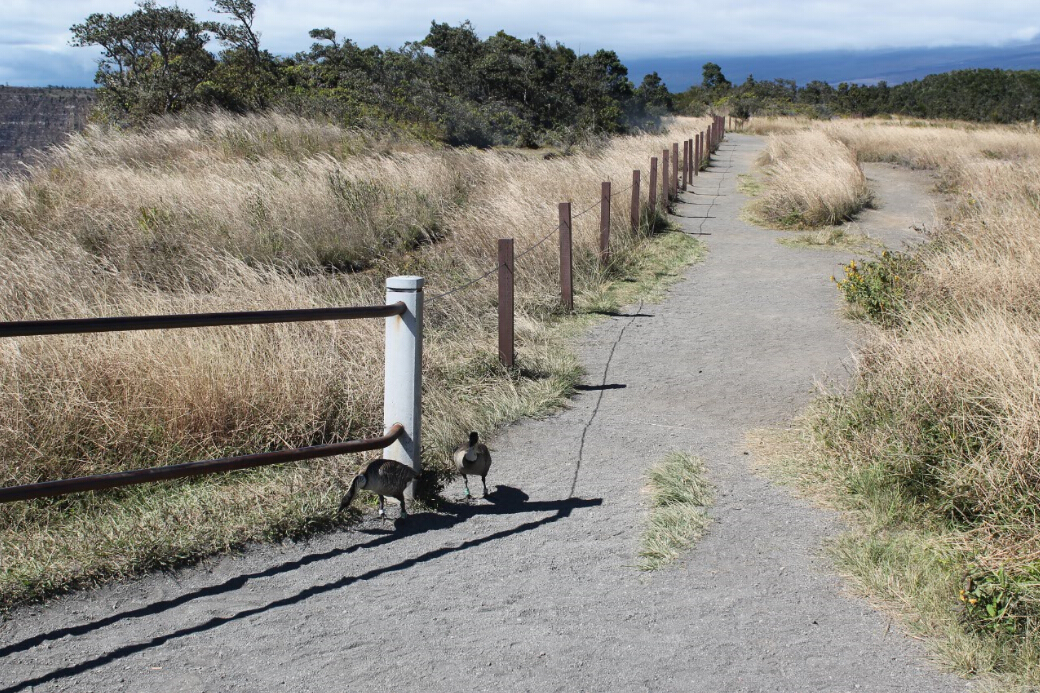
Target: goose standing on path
[(382, 477), (473, 458)]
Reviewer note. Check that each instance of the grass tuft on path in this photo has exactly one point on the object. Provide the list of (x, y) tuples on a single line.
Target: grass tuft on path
[(831, 238), (679, 495), (810, 180)]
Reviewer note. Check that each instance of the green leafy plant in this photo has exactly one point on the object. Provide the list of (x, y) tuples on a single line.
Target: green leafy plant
[(878, 287), (997, 602)]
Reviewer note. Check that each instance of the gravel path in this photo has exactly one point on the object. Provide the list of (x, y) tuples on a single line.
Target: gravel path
[(534, 589)]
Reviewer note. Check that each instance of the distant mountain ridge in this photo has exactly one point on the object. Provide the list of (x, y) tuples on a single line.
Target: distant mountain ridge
[(861, 67), (33, 118)]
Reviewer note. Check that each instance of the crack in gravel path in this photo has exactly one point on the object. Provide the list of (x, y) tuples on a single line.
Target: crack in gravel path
[(534, 589)]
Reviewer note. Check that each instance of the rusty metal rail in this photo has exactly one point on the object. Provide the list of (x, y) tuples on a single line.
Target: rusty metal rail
[(28, 328), (46, 489), (179, 471)]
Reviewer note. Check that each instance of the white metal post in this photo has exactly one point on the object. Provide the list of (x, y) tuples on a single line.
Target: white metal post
[(402, 390)]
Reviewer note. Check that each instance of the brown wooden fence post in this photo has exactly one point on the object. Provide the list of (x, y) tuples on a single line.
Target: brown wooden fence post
[(685, 162), (688, 168), (652, 199), (604, 223), (566, 264), (635, 200), (675, 169), (506, 351), (697, 155), (666, 180)]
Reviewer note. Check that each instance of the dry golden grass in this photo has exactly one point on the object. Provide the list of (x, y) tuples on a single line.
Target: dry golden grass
[(937, 444), (215, 213), (772, 125), (810, 180)]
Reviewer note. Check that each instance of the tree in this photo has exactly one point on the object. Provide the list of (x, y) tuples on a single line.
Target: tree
[(713, 78), (654, 96), (601, 91), (652, 101), (245, 76), (153, 59), (239, 36)]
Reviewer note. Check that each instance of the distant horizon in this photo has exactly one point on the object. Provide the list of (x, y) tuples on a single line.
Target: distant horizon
[(35, 50), (860, 66)]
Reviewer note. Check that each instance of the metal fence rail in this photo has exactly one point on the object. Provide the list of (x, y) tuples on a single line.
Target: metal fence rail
[(100, 482), (402, 405), (31, 328)]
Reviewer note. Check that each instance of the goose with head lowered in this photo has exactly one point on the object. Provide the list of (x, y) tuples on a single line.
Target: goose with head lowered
[(473, 458), (384, 478)]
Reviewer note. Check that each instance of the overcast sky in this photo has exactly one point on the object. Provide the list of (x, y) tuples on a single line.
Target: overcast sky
[(34, 34)]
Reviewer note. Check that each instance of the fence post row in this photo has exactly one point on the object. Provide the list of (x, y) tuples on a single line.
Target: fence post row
[(604, 223), (402, 389), (566, 265), (635, 200), (506, 350)]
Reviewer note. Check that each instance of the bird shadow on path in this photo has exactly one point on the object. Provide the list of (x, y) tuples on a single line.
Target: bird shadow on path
[(504, 500)]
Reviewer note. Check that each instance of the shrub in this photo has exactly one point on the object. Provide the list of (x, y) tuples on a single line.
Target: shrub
[(878, 287)]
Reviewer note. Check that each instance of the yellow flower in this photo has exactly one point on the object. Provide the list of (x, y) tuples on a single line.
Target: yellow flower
[(973, 601)]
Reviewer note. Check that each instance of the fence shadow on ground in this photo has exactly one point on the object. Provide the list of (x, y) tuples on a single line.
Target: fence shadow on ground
[(504, 500)]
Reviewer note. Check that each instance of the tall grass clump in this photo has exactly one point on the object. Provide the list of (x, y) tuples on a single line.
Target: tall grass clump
[(213, 212), (936, 444), (811, 180)]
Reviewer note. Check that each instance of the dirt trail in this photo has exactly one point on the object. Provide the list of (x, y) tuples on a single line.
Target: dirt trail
[(534, 589)]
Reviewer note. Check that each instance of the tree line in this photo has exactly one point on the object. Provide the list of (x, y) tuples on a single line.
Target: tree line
[(985, 95), (451, 85), (455, 87)]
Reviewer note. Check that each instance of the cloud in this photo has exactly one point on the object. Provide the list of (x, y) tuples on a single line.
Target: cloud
[(34, 45), (1026, 33)]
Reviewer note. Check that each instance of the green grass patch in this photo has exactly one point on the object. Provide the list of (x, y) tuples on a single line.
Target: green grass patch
[(913, 562), (833, 238), (749, 185), (658, 264), (679, 495)]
